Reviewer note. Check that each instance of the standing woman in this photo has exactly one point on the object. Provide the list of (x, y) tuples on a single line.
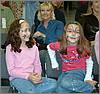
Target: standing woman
[(90, 21), (23, 63), (50, 29)]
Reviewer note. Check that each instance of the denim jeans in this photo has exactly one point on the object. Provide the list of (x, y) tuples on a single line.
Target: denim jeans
[(31, 7), (73, 81), (26, 86)]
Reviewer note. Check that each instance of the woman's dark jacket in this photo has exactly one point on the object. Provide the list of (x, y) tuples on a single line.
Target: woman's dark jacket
[(90, 26)]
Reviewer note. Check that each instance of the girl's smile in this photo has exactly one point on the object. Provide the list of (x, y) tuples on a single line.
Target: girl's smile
[(72, 33), (24, 32)]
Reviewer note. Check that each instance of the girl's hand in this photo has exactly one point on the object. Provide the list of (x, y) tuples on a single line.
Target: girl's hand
[(31, 76), (92, 82), (35, 77), (38, 76)]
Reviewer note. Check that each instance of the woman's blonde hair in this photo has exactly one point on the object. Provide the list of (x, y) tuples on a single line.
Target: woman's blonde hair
[(50, 6)]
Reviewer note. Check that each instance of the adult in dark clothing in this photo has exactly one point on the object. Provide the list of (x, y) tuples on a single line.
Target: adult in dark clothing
[(81, 10), (58, 6), (58, 11), (90, 21), (68, 5), (50, 30), (90, 25)]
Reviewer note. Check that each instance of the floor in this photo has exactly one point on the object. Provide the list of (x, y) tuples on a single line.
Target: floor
[(4, 89)]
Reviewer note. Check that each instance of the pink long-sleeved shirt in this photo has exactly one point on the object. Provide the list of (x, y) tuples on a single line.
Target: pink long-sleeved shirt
[(20, 65)]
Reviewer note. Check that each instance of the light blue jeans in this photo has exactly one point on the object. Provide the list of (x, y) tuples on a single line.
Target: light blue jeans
[(26, 86), (73, 81), (31, 6)]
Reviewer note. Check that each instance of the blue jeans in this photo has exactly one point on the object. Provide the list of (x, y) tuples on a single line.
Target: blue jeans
[(26, 86), (73, 81), (31, 7)]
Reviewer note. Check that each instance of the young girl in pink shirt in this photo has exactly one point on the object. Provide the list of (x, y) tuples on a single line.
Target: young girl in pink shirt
[(23, 63), (76, 60)]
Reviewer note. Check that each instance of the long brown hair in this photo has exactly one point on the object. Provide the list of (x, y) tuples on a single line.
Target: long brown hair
[(14, 39), (83, 43)]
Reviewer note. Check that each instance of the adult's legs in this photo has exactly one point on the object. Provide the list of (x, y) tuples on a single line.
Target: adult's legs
[(95, 65), (42, 59), (95, 68), (46, 65)]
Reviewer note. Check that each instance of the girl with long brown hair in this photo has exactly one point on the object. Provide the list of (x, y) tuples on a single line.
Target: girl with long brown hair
[(77, 64), (23, 62)]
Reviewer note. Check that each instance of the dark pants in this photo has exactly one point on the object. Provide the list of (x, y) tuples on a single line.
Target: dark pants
[(46, 65), (95, 65)]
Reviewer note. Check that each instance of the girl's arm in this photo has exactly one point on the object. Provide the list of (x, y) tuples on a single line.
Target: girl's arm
[(89, 67), (37, 64), (88, 76), (54, 46), (52, 55)]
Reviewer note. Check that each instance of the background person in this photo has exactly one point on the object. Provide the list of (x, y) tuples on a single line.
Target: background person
[(50, 29), (58, 12), (90, 24)]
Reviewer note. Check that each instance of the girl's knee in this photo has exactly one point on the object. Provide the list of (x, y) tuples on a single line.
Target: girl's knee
[(66, 84), (51, 82)]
